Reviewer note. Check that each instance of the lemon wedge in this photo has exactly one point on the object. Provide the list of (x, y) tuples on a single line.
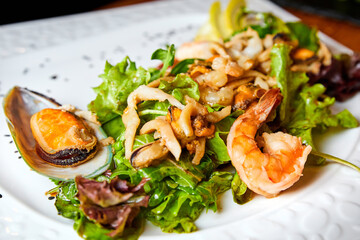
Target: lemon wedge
[(210, 30), (221, 24), (230, 17)]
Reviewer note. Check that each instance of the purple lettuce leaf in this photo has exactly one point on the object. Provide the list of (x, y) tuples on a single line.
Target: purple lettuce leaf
[(341, 78), (113, 205)]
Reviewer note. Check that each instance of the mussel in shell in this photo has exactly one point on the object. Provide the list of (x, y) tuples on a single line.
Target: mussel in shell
[(54, 141)]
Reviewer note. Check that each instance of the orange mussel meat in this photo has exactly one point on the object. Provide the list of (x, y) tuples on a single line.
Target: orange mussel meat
[(62, 138)]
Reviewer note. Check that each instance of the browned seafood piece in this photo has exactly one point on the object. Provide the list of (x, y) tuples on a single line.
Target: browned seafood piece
[(246, 95), (199, 68), (202, 128), (302, 54), (172, 117)]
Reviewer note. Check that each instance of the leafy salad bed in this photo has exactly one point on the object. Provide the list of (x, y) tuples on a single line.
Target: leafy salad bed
[(173, 194)]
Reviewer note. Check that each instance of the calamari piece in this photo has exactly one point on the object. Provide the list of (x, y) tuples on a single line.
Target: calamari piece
[(217, 116), (131, 121), (200, 144), (166, 133), (224, 96), (324, 54), (145, 93), (130, 117), (192, 108)]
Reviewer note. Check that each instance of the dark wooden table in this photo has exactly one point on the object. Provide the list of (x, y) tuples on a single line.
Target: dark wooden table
[(344, 32)]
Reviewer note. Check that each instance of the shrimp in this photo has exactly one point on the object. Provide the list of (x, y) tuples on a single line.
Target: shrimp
[(280, 164)]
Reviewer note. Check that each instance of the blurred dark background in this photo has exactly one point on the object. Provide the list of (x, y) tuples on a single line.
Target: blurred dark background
[(20, 11), (340, 9), (339, 19)]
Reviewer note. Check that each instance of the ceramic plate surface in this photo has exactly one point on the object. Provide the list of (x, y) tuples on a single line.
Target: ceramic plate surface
[(63, 57)]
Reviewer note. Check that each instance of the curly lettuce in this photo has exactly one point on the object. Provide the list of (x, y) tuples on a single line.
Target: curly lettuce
[(118, 82)]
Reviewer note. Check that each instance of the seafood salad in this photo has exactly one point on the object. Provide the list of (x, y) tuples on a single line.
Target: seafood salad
[(234, 110)]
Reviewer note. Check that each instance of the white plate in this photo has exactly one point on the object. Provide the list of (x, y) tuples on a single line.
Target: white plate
[(324, 204)]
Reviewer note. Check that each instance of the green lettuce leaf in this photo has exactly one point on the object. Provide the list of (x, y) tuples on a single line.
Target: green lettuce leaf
[(305, 35), (149, 110), (217, 146), (288, 81), (167, 57), (182, 67), (311, 112), (176, 213), (219, 182), (114, 128), (182, 85), (175, 171), (118, 82), (263, 23), (66, 203), (183, 205), (241, 193)]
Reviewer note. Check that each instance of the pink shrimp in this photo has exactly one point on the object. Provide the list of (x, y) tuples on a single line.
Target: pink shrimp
[(282, 161)]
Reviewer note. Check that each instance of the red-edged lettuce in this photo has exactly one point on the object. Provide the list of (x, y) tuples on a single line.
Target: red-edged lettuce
[(341, 78), (69, 206), (113, 204)]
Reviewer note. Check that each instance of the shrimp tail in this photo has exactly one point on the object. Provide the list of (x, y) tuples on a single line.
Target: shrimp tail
[(267, 103)]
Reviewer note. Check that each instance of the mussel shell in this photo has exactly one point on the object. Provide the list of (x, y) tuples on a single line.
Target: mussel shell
[(19, 105)]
